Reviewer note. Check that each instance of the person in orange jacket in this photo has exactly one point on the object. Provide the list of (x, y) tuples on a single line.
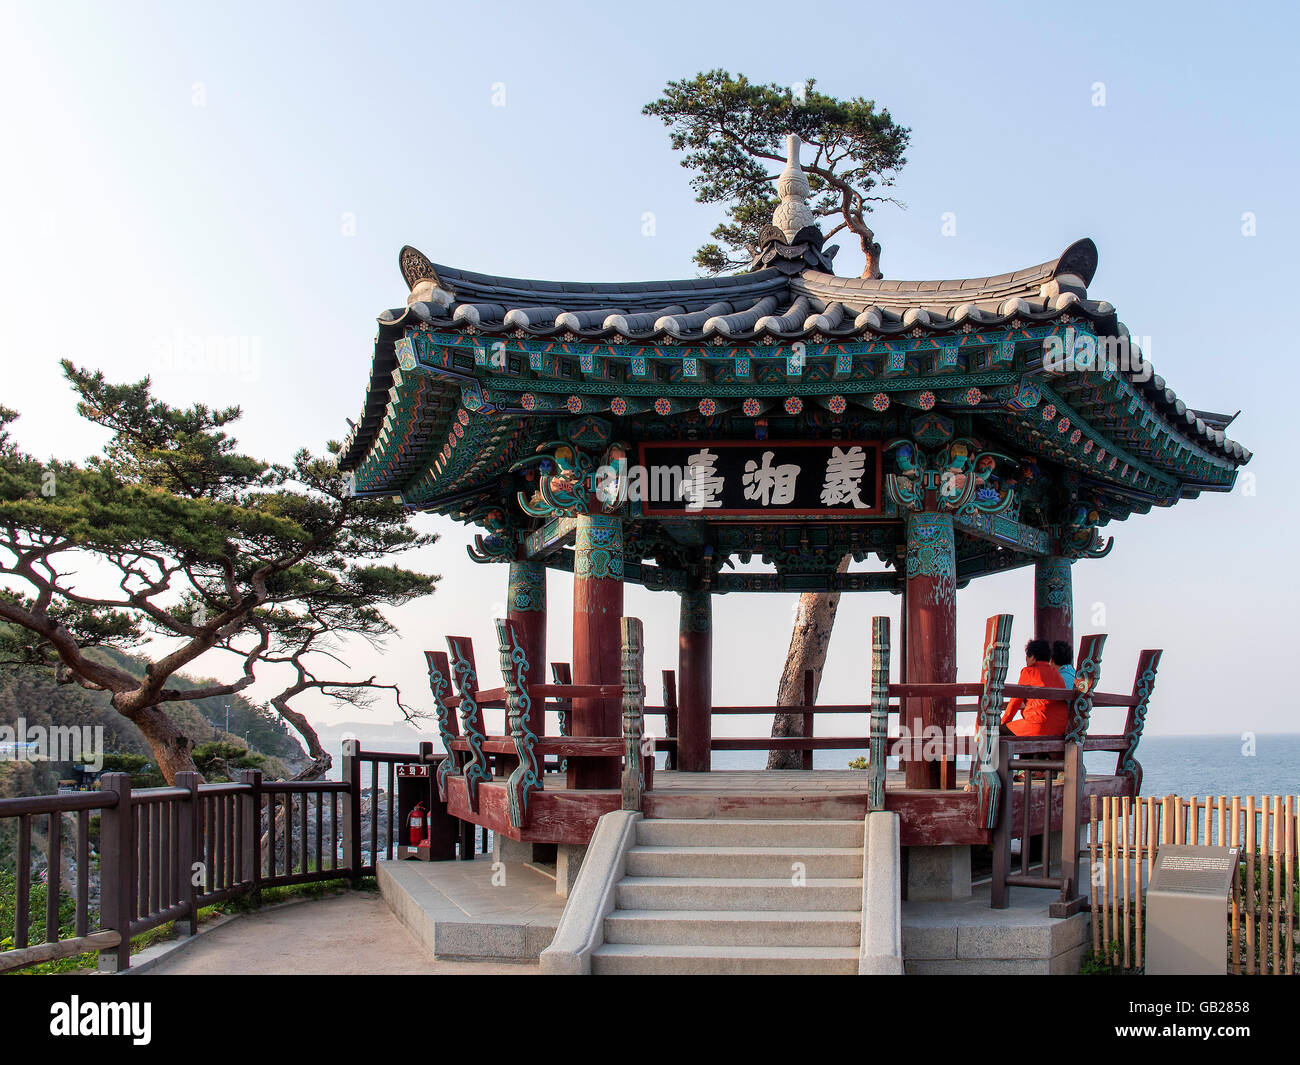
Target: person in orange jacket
[(1038, 717)]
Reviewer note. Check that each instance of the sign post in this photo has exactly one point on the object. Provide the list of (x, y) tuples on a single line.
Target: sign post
[(1187, 910)]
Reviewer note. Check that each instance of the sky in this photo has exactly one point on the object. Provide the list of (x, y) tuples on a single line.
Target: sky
[(242, 176)]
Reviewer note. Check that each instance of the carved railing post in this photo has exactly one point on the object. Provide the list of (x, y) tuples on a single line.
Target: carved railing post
[(985, 779), (465, 677), (633, 713), (670, 715), (1144, 683), (440, 686), (878, 754), (561, 673), (1086, 678), (525, 778)]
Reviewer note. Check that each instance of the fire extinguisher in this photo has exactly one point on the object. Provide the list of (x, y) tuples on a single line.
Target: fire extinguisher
[(415, 825)]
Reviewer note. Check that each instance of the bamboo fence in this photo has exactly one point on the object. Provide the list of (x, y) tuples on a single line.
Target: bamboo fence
[(1124, 836)]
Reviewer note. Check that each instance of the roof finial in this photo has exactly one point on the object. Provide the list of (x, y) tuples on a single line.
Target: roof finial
[(793, 213)]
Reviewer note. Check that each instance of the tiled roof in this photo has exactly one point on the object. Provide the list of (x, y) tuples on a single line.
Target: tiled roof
[(768, 304), (745, 307)]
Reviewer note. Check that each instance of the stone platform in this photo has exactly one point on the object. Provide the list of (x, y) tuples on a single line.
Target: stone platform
[(969, 938), (468, 910), (457, 912)]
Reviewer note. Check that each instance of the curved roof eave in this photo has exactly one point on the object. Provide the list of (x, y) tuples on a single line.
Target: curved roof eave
[(764, 305)]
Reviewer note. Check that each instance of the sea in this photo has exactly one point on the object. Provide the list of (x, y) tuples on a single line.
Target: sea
[(1264, 764)]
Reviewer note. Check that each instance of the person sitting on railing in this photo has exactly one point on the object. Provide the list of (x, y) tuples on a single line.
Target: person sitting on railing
[(1039, 717), (1063, 660)]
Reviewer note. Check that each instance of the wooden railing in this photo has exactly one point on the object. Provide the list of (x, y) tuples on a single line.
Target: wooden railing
[(1125, 835), (1034, 761), (807, 710), (1000, 762), (890, 699), (53, 808), (517, 757), (165, 852)]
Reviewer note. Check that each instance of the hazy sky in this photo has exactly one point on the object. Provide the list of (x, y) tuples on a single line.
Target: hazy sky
[(249, 171)]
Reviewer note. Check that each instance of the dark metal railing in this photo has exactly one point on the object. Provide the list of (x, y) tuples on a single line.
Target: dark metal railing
[(165, 852)]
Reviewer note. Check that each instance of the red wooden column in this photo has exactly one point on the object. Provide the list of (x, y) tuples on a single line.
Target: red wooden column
[(931, 607), (1054, 600), (695, 682), (526, 608), (597, 645), (902, 633)]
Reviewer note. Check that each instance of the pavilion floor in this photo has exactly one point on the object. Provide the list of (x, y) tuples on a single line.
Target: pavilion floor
[(775, 781), (559, 814), (779, 781)]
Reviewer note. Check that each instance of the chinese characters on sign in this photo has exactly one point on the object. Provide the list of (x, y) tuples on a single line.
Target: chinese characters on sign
[(755, 478), (770, 485), (702, 487)]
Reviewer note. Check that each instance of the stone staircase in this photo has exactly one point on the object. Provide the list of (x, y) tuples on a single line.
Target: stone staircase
[(706, 895)]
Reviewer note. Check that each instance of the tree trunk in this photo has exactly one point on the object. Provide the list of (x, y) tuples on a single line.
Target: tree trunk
[(320, 760), (871, 249), (171, 747), (808, 644)]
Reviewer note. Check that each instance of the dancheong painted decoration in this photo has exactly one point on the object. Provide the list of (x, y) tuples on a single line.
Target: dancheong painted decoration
[(747, 434)]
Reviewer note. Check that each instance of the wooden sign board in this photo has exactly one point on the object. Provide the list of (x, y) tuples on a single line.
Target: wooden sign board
[(758, 478), (1187, 910), (1194, 870)]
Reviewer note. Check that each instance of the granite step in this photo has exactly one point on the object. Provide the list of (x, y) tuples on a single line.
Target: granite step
[(767, 928), (749, 862), (764, 832), (737, 893), (733, 960)]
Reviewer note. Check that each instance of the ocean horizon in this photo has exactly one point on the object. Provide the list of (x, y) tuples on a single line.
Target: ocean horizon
[(1171, 765)]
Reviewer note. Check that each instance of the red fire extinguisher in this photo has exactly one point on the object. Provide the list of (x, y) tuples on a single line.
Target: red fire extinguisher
[(415, 824)]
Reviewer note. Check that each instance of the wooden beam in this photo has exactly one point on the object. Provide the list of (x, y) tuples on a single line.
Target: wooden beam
[(66, 948)]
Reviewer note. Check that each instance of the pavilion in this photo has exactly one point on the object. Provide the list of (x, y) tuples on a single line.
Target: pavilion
[(658, 432)]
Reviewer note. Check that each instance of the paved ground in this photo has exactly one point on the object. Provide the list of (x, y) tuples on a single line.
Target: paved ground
[(480, 909), (352, 933)]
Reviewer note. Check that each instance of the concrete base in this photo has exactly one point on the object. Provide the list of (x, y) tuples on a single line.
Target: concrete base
[(968, 937), (151, 957), (478, 909), (938, 874), (510, 850), (568, 862)]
